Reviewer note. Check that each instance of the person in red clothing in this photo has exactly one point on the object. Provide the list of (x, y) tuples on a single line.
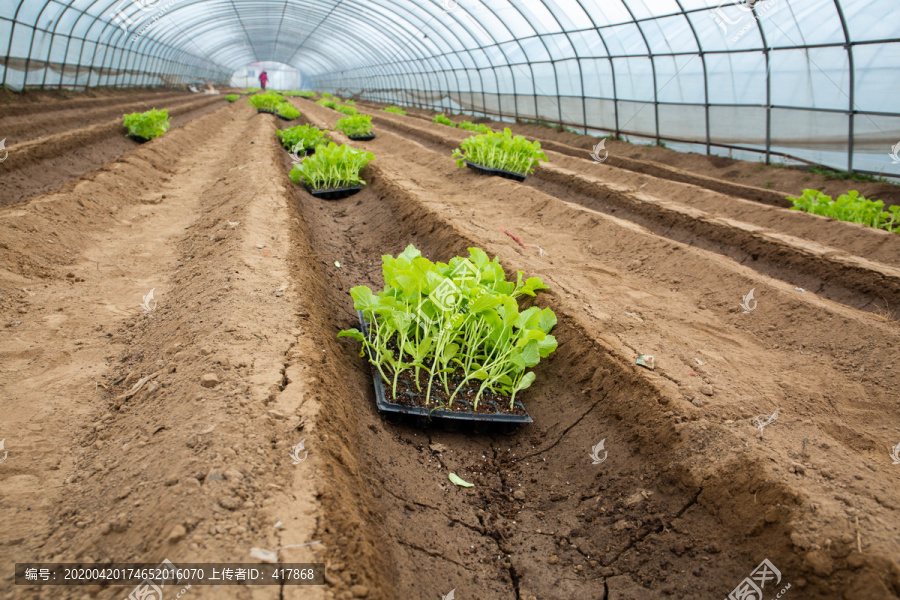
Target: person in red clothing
[(263, 79)]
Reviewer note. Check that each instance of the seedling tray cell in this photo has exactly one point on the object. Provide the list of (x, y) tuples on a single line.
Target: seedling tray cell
[(497, 172), (462, 413), (334, 193), (361, 138), (265, 110), (137, 138)]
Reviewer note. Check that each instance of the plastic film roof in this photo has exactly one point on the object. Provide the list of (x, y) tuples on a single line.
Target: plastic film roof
[(815, 80)]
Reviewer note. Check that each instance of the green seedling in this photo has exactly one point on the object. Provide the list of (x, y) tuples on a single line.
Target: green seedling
[(148, 125), (331, 167), (437, 319), (395, 109), (355, 125), (500, 150), (443, 120)]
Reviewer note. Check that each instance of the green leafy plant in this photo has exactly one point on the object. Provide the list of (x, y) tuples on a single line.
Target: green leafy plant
[(332, 166), (269, 101), (287, 110), (327, 103), (251, 90), (443, 120), (148, 125), (832, 175), (232, 97), (302, 136), (395, 109), (849, 207), (451, 326), (306, 94), (327, 95), (355, 125), (347, 110), (350, 102), (500, 150), (477, 127)]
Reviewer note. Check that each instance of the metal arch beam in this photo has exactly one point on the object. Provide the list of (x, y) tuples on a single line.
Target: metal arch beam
[(852, 95), (227, 41), (612, 69), (705, 74), (652, 67), (426, 57)]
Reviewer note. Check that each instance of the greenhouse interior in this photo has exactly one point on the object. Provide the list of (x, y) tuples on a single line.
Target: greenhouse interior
[(457, 299)]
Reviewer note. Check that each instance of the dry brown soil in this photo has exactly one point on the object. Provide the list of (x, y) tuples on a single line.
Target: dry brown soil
[(690, 499)]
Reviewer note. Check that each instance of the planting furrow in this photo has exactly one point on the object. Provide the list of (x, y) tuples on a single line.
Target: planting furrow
[(24, 129), (194, 464), (620, 291), (839, 261), (36, 102), (47, 163), (665, 172)]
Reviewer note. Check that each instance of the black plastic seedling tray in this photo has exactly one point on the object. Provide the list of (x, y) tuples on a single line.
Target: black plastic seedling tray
[(361, 138), (386, 406), (137, 138), (334, 193), (265, 110), (497, 172)]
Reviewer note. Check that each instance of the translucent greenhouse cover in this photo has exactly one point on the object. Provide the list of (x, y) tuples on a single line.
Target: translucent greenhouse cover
[(814, 80)]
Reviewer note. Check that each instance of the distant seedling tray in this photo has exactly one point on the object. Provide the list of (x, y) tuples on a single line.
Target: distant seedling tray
[(497, 172), (265, 110), (334, 193), (386, 406), (361, 138), (137, 138)]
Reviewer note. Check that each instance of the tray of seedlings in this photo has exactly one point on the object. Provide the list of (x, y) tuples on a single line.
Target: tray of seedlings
[(333, 172), (443, 120), (500, 154), (143, 127), (302, 140), (267, 102), (356, 127), (287, 112), (394, 110), (449, 340)]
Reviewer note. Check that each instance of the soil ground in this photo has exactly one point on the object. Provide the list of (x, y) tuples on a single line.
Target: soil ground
[(165, 431)]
